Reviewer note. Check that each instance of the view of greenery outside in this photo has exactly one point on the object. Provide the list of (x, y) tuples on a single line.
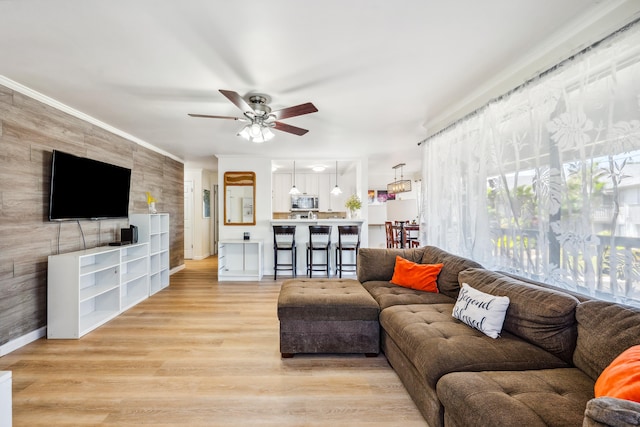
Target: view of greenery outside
[(594, 190)]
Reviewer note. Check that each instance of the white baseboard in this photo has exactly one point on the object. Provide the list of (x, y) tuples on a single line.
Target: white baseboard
[(42, 332), (201, 257), (176, 269), (22, 341)]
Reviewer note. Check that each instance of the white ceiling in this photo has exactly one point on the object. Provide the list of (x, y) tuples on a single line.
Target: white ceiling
[(380, 72)]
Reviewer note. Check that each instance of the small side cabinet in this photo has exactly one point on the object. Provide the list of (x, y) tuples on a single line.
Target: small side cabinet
[(240, 260)]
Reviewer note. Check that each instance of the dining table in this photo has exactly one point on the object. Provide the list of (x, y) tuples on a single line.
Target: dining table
[(407, 234)]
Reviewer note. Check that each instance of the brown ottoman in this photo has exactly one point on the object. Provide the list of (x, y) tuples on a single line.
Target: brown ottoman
[(327, 316)]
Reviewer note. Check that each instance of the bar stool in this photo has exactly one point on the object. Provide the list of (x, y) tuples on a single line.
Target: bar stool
[(319, 240), (284, 239), (348, 240)]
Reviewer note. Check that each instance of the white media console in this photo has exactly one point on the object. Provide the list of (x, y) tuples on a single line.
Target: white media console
[(6, 407), (87, 288)]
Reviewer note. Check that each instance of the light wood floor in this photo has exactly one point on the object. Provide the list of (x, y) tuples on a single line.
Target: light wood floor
[(200, 353)]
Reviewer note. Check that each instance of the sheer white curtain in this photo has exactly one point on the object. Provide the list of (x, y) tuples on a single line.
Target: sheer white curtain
[(544, 182)]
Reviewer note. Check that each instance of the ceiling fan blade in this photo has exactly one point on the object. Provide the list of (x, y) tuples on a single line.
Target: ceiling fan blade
[(237, 100), (214, 117), (298, 110), (290, 129)]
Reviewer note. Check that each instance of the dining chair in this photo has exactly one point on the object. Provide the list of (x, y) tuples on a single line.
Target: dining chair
[(392, 241)]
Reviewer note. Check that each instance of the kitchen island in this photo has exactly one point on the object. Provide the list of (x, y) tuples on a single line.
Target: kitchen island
[(303, 215), (302, 237), (318, 221)]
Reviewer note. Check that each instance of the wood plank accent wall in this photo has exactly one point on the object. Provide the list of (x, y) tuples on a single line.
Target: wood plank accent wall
[(29, 132)]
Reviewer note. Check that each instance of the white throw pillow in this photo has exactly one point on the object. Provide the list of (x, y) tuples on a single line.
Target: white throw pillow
[(484, 312)]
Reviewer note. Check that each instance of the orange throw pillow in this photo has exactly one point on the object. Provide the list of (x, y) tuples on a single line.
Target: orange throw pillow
[(621, 378), (416, 276)]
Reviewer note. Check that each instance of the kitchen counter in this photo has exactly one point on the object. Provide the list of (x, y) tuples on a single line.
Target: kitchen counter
[(319, 221), (302, 237), (321, 214)]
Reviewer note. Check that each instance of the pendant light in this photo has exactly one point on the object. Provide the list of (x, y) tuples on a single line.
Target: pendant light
[(336, 190), (401, 186), (294, 191)]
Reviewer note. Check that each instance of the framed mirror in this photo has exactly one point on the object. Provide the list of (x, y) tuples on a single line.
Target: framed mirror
[(239, 198)]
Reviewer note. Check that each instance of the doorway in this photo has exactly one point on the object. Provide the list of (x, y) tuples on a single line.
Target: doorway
[(215, 229), (188, 219)]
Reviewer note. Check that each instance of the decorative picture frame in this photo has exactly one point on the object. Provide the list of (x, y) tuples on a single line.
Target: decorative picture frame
[(206, 203), (383, 196)]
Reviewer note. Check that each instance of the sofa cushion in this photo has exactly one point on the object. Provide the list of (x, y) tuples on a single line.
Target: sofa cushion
[(604, 331), (621, 378), (436, 343), (378, 264), (542, 316), (325, 299), (412, 275), (609, 411), (484, 312), (453, 264), (387, 294), (549, 397)]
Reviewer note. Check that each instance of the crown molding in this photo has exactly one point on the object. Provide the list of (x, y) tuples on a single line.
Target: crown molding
[(24, 90), (583, 31)]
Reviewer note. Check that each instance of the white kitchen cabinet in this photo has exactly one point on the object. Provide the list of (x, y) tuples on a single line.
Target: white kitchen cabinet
[(282, 183), (154, 228), (309, 183), (240, 260), (324, 192), (336, 203), (314, 184)]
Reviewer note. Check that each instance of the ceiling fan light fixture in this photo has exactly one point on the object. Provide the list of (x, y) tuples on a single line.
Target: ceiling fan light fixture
[(267, 133), (256, 110), (244, 132), (255, 130)]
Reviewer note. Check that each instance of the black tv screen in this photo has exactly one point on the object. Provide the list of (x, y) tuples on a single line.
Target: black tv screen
[(83, 188)]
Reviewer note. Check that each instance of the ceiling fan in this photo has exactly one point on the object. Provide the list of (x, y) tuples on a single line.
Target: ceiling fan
[(259, 116)]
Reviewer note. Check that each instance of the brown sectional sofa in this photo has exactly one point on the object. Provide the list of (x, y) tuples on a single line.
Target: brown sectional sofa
[(541, 370)]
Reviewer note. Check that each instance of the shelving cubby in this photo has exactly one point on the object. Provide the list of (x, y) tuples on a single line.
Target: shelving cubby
[(134, 275), (83, 291), (154, 228)]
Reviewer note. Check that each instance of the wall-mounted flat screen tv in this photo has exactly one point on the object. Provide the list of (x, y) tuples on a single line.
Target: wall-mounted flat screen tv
[(83, 188)]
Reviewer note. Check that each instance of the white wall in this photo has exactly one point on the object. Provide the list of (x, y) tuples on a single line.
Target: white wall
[(262, 169)]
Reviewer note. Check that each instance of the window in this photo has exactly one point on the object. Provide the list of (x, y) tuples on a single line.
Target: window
[(545, 181)]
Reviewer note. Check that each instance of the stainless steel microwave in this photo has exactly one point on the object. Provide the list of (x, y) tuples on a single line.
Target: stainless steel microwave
[(304, 202)]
